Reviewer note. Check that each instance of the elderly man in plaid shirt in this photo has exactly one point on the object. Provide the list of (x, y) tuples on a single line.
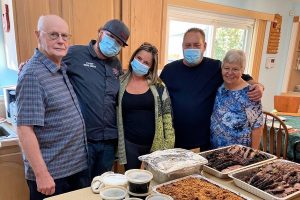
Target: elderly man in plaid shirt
[(50, 125)]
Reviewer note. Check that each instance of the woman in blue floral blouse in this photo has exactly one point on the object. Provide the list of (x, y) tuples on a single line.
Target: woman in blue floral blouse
[(235, 118)]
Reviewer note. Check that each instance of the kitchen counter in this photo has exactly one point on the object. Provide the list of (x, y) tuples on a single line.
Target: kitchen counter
[(11, 139), (12, 183), (87, 194)]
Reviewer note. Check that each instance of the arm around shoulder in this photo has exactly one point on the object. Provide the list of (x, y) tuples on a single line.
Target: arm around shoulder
[(256, 89), (249, 79)]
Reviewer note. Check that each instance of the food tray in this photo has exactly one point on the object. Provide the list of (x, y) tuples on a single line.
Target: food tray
[(224, 175), (188, 163), (161, 177), (202, 178), (257, 191)]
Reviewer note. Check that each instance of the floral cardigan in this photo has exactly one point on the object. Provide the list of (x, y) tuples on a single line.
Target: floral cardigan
[(164, 137)]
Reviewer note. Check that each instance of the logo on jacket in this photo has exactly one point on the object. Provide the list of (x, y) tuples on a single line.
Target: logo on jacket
[(89, 64)]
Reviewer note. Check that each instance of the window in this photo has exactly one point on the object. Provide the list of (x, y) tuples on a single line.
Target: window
[(222, 32)]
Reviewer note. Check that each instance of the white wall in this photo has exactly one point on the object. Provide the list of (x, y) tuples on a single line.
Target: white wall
[(7, 76), (296, 7), (272, 78)]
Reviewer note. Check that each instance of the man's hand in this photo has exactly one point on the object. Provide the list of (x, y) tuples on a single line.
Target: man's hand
[(45, 183), (256, 91), (21, 65), (30, 146)]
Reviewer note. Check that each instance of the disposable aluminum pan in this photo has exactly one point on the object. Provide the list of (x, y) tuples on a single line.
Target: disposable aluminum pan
[(201, 178), (264, 195), (161, 177), (177, 162), (224, 175)]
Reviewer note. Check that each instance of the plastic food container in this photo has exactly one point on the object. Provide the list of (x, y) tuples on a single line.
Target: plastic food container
[(138, 181), (113, 193), (108, 179), (115, 180), (171, 164), (138, 196), (159, 197)]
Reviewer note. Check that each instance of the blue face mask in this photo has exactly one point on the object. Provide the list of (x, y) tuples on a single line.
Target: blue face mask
[(109, 46), (139, 68), (192, 56)]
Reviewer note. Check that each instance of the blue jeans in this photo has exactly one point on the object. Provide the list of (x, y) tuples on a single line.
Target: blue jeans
[(101, 156), (62, 185)]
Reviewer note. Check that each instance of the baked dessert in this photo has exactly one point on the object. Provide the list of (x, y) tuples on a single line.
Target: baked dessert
[(193, 188)]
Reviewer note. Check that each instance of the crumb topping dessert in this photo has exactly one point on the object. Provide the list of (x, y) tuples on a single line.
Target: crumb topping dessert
[(193, 188)]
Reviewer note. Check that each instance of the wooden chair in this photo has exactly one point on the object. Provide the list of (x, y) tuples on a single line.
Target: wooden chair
[(273, 135), (296, 150)]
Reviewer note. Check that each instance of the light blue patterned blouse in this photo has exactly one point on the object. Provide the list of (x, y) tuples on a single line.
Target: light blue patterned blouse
[(234, 117)]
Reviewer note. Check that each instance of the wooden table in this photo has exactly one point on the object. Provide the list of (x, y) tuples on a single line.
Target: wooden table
[(87, 194), (289, 114)]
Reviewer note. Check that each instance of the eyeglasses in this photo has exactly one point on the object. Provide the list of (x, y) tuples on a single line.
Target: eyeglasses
[(233, 70), (55, 35)]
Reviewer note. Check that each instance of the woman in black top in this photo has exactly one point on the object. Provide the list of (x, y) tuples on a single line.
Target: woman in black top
[(144, 110)]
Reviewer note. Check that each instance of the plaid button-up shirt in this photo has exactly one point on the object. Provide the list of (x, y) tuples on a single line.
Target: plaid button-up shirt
[(46, 101)]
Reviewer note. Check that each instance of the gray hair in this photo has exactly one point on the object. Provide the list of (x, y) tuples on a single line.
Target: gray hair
[(40, 23), (235, 56), (44, 20)]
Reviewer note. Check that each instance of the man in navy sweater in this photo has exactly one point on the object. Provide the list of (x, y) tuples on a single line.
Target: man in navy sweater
[(192, 83)]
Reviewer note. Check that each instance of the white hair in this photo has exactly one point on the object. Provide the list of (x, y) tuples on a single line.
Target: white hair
[(235, 56), (45, 19), (40, 23)]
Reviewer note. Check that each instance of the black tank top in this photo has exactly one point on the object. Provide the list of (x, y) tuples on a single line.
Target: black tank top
[(139, 117)]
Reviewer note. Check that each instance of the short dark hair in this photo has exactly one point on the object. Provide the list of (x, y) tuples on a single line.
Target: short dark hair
[(197, 30)]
